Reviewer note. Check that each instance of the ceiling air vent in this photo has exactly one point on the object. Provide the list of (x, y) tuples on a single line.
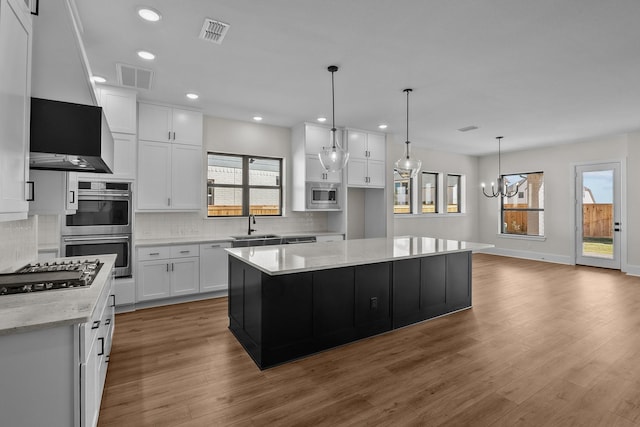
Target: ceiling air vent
[(134, 77), (213, 31), (468, 128)]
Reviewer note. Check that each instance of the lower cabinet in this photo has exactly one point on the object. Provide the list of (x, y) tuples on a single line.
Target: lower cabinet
[(214, 271), (283, 317), (167, 271)]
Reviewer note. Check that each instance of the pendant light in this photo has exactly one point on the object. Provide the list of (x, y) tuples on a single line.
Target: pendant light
[(333, 158), (502, 184), (407, 167)]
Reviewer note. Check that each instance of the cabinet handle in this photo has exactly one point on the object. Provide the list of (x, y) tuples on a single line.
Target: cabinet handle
[(174, 136), (172, 265), (169, 201), (167, 267), (37, 9), (73, 196), (106, 358), (169, 136), (215, 246), (154, 253), (107, 322), (31, 184), (96, 324), (113, 302), (185, 252), (101, 346)]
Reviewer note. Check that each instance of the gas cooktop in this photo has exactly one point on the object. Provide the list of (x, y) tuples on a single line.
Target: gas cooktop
[(50, 275)]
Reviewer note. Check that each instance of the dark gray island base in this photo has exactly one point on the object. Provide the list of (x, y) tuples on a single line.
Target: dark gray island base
[(282, 317)]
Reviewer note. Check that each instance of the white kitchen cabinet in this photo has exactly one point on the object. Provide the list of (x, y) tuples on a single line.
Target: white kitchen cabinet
[(317, 173), (166, 124), (367, 152), (54, 193), (214, 266), (15, 102), (125, 154), (119, 106), (169, 176), (167, 271)]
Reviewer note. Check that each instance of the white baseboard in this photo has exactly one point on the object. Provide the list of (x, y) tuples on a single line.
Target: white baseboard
[(536, 256), (632, 270)]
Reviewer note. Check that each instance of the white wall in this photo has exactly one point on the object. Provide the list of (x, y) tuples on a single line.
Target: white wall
[(235, 137), (450, 226), (18, 243), (558, 163)]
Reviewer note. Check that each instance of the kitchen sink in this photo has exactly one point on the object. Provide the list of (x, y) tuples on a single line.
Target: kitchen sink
[(255, 240)]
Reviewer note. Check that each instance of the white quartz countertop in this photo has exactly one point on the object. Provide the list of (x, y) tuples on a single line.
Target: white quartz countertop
[(285, 259), (185, 240), (45, 309)]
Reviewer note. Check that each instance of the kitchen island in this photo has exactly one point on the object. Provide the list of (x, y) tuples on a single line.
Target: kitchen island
[(289, 301)]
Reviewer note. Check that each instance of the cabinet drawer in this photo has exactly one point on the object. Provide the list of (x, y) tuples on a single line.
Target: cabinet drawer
[(154, 252), (183, 251)]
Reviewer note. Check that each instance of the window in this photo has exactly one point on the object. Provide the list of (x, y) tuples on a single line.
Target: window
[(401, 194), (241, 185), (454, 193), (429, 192), (524, 212)]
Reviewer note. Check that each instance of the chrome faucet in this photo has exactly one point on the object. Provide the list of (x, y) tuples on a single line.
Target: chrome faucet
[(254, 222)]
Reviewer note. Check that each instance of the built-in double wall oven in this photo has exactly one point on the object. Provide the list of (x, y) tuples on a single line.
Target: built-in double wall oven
[(101, 224)]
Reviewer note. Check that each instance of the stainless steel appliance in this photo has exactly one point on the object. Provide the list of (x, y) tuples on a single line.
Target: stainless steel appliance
[(323, 196), (104, 207), (100, 245), (50, 275), (101, 224)]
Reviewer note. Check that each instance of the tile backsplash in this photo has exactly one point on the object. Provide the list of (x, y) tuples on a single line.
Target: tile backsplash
[(18, 243), (187, 224)]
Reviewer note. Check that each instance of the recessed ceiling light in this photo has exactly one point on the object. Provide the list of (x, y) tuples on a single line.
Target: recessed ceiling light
[(146, 55), (382, 126), (322, 119), (257, 118), (98, 79), (193, 96), (149, 14)]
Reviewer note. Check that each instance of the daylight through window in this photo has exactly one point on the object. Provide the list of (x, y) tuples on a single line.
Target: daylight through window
[(524, 212)]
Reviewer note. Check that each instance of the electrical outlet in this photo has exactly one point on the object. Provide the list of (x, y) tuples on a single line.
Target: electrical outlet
[(373, 303)]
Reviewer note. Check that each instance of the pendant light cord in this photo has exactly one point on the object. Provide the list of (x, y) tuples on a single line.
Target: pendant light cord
[(333, 69), (407, 142), (499, 138)]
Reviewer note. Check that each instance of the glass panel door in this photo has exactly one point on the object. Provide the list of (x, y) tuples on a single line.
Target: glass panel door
[(598, 215)]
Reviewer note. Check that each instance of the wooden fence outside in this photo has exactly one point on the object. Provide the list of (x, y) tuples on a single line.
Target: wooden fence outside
[(597, 220), (235, 210)]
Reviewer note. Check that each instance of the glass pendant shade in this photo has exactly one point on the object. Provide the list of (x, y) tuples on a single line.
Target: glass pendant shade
[(333, 158), (407, 167)]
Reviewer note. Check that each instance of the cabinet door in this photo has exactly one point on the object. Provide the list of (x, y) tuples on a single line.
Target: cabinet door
[(154, 123), (154, 175), (357, 172), (214, 267), (458, 280), (185, 276), (373, 297), (376, 147), (186, 177), (357, 144), (120, 108), (15, 89), (153, 280), (186, 127), (333, 306), (71, 199), (125, 156), (317, 137), (317, 173), (376, 172)]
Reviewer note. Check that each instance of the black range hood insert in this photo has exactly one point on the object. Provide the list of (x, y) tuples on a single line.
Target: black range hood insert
[(69, 137)]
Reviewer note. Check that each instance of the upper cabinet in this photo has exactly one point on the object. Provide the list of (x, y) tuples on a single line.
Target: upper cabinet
[(367, 152), (307, 140), (165, 124), (15, 93), (120, 108), (170, 159)]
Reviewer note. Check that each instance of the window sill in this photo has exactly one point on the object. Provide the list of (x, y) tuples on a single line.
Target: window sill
[(522, 237), (429, 215)]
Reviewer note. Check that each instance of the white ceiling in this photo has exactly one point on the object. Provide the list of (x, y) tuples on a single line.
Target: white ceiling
[(538, 72)]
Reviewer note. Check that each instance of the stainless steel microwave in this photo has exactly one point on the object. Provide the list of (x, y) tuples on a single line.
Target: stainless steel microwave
[(323, 196)]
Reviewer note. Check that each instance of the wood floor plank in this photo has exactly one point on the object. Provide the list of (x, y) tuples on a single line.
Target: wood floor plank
[(543, 344)]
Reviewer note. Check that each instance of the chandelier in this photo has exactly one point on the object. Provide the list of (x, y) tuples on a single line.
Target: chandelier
[(503, 190)]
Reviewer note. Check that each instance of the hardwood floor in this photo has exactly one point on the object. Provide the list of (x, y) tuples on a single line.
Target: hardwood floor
[(544, 345)]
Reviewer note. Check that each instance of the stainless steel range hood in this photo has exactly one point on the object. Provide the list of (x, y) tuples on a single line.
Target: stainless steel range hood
[(69, 137)]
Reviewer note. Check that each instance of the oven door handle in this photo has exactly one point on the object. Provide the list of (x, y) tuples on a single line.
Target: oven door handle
[(86, 238)]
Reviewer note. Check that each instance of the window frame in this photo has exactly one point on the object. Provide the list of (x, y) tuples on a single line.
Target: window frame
[(437, 193), (502, 228), (245, 186), (459, 193), (409, 192)]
